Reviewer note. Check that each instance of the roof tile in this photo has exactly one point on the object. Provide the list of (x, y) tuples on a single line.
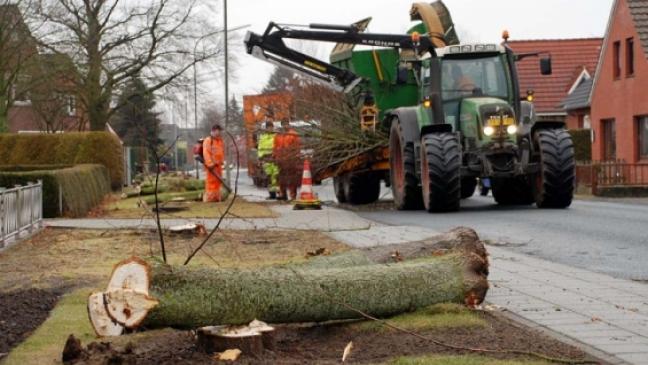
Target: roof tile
[(639, 11), (569, 57)]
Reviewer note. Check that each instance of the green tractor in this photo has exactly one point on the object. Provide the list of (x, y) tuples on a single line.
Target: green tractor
[(453, 112)]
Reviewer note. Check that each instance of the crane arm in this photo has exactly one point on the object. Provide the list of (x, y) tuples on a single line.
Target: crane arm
[(271, 47)]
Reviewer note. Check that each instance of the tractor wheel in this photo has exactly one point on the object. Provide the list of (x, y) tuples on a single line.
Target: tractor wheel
[(361, 188), (404, 182), (338, 187), (554, 186), (441, 172), (513, 191), (468, 186)]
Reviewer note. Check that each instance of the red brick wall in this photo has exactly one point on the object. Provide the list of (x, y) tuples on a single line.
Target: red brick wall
[(621, 99)]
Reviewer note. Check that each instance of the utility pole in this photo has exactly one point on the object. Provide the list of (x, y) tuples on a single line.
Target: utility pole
[(228, 155), (195, 87)]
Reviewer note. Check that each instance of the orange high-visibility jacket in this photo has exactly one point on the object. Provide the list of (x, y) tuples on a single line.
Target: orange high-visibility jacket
[(287, 145), (214, 154)]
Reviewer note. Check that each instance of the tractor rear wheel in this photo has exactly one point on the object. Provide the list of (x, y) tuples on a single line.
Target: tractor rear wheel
[(441, 172), (361, 188), (402, 162), (512, 191), (554, 186), (338, 187), (468, 185)]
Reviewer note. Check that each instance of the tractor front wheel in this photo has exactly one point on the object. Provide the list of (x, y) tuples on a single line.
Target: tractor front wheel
[(441, 172), (554, 186)]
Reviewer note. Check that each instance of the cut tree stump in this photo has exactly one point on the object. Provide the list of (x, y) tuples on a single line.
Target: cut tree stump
[(382, 282), (213, 339)]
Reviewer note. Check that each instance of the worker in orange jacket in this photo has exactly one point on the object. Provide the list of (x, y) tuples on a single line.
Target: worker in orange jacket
[(287, 153), (214, 154)]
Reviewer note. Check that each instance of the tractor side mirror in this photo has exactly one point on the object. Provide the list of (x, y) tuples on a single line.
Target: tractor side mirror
[(545, 66)]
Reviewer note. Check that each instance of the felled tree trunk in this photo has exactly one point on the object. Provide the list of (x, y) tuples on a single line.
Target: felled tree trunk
[(381, 282)]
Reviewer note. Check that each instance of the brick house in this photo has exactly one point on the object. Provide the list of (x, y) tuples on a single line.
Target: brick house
[(619, 96), (574, 63), (38, 89)]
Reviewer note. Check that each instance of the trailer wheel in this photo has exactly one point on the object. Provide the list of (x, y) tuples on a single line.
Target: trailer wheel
[(514, 191), (402, 166), (441, 172), (468, 186), (361, 188), (554, 186), (338, 187)]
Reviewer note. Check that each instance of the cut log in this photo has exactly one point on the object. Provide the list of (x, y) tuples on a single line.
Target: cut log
[(222, 338), (103, 325), (133, 274), (449, 268), (128, 307)]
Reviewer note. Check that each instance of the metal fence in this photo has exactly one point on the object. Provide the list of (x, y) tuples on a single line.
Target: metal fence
[(611, 174), (21, 211)]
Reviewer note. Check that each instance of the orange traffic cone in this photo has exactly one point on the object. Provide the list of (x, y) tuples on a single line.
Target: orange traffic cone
[(307, 199)]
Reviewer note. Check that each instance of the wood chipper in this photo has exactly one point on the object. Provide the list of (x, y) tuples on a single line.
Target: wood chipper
[(453, 113)]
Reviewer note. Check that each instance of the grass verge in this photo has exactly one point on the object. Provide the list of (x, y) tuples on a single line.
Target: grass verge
[(45, 345), (438, 316)]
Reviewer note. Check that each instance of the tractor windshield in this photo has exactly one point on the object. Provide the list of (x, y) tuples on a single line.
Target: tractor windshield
[(462, 78)]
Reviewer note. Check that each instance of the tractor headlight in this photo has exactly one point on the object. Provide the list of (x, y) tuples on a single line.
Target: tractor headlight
[(489, 131), (512, 129)]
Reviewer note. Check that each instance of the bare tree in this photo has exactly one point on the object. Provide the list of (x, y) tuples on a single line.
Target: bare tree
[(111, 41)]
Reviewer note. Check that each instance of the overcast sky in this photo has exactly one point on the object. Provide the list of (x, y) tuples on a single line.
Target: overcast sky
[(476, 20)]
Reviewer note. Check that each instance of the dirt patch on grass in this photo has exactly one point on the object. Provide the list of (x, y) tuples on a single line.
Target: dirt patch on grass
[(85, 258), (324, 345), (21, 312)]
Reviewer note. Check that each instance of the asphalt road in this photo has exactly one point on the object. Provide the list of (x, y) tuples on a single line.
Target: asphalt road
[(607, 237)]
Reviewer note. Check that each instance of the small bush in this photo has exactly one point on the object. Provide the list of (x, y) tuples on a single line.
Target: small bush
[(582, 139), (82, 187), (65, 149)]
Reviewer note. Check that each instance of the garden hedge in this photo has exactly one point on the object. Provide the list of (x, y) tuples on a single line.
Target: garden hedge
[(65, 149), (582, 139), (82, 187)]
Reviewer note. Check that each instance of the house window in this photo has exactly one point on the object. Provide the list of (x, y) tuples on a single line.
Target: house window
[(617, 60), (609, 140), (642, 129), (630, 57)]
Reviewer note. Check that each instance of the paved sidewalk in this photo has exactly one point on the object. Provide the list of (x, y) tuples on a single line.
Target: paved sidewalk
[(326, 220)]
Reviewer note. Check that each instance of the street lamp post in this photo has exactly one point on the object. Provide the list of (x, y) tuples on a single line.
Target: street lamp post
[(228, 155)]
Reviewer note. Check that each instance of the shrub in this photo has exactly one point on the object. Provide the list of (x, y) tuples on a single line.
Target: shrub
[(82, 187), (582, 139), (65, 149)]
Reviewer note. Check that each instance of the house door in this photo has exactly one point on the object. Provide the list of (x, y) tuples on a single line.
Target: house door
[(609, 140)]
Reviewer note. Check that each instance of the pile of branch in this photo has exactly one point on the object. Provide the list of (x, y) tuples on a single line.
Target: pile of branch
[(380, 281)]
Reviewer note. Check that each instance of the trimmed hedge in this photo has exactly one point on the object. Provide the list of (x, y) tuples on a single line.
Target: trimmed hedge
[(582, 139), (65, 149), (83, 187)]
